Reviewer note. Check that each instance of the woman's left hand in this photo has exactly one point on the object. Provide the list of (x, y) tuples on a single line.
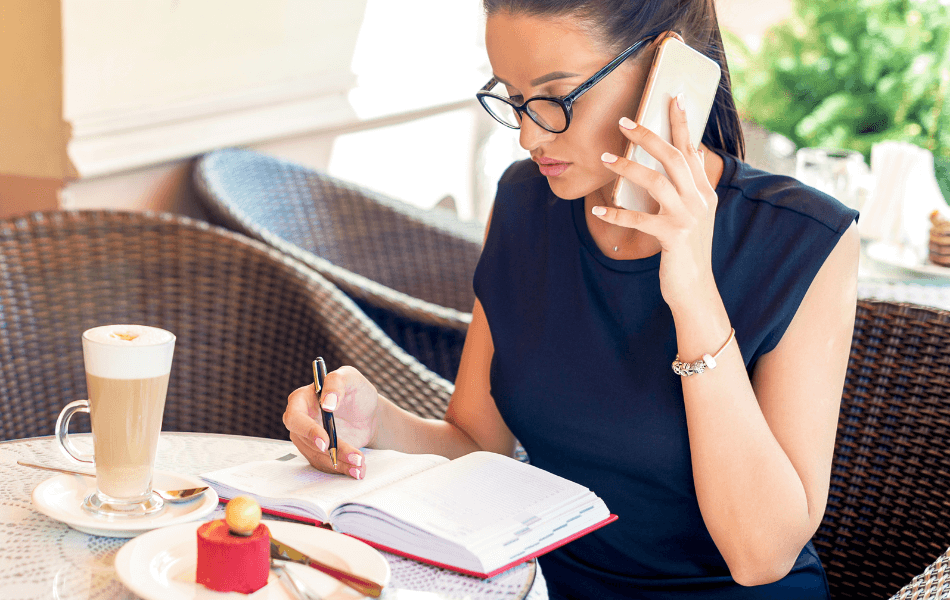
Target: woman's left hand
[(684, 225)]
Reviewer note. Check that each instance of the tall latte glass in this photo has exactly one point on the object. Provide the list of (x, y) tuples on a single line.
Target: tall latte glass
[(127, 368)]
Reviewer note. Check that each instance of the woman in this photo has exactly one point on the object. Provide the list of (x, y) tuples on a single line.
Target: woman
[(720, 477)]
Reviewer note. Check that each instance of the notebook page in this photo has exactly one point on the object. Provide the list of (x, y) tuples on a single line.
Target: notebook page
[(477, 496), (292, 477)]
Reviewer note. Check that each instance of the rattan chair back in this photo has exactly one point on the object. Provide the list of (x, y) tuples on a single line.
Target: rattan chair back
[(409, 269), (888, 514), (248, 320)]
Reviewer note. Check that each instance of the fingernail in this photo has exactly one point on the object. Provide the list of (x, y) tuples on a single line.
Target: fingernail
[(599, 210), (329, 402), (355, 459), (681, 101), (321, 444), (607, 157), (355, 473), (627, 123)]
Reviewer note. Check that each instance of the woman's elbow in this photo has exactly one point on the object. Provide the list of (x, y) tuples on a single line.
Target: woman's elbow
[(761, 570), (760, 560)]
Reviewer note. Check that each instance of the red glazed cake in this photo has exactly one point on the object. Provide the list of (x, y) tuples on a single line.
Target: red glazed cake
[(234, 552), (232, 563)]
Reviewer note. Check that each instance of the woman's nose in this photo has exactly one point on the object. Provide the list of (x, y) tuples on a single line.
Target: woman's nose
[(531, 135)]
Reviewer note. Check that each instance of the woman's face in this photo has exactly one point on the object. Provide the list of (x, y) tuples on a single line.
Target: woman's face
[(548, 56)]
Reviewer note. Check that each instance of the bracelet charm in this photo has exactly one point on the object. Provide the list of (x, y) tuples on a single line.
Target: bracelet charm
[(708, 361), (686, 369)]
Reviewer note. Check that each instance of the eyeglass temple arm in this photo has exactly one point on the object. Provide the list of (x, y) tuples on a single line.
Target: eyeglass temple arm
[(488, 86), (596, 77)]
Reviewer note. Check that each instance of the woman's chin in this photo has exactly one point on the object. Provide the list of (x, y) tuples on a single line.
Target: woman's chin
[(567, 189)]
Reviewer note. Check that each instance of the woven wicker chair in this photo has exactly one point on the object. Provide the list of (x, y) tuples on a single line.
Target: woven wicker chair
[(410, 270), (888, 514), (249, 321)]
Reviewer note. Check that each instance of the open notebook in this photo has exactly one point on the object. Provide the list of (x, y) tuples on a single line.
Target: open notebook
[(479, 514)]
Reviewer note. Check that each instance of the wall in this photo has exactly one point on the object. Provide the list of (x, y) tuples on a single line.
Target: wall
[(32, 132), (100, 97)]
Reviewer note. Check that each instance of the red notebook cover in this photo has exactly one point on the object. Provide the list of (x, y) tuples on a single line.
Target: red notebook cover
[(502, 569)]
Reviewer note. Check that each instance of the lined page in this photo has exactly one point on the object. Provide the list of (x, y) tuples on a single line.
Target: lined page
[(292, 477), (477, 496)]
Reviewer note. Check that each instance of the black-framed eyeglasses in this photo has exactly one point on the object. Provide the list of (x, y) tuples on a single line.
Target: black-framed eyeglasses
[(552, 113)]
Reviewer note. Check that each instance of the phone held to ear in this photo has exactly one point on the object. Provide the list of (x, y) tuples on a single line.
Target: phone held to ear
[(676, 69)]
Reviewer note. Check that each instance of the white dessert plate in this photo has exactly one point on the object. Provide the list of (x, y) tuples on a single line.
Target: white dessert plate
[(894, 256), (161, 564), (61, 497)]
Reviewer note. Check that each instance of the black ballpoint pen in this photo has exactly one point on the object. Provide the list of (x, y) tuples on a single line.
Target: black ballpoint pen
[(319, 374)]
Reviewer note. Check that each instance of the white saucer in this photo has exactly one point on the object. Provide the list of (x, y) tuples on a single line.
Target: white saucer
[(61, 497), (894, 256), (160, 565)]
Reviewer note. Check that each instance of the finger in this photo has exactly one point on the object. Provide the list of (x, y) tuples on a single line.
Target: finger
[(673, 161), (302, 418), (335, 385), (319, 460), (645, 222), (679, 127), (658, 185), (351, 462)]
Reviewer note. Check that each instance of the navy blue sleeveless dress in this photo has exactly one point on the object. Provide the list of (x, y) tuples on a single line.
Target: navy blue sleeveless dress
[(581, 371)]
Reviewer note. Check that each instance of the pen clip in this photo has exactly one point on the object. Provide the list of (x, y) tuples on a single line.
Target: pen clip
[(317, 379), (319, 375)]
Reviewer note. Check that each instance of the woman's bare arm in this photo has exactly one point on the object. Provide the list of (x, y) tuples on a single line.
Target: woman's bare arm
[(762, 449), (472, 421)]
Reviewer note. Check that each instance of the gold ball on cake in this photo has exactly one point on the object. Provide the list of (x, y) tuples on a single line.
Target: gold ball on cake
[(243, 515)]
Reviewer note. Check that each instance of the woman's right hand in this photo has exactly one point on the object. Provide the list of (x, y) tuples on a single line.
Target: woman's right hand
[(354, 402)]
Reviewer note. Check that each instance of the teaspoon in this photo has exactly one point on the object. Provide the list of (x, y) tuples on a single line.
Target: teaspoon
[(184, 495)]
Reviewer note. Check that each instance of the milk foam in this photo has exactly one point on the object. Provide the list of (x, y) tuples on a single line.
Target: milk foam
[(128, 351)]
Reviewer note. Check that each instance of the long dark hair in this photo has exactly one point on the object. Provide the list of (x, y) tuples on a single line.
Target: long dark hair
[(623, 21)]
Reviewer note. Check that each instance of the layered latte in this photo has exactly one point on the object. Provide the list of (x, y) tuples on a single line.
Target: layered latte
[(127, 369)]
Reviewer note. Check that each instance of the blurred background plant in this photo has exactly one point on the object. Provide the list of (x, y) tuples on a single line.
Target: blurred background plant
[(851, 73)]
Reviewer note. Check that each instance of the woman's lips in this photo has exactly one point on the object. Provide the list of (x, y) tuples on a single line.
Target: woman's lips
[(550, 168)]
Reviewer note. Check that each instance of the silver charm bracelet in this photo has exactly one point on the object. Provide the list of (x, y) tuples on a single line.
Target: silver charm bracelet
[(708, 361)]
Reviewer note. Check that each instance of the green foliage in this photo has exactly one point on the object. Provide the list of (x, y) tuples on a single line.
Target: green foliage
[(851, 73)]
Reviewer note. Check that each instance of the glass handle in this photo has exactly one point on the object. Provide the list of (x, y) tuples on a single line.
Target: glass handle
[(62, 431)]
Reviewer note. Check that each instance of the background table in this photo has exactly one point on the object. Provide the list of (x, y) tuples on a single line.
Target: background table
[(43, 558), (887, 282)]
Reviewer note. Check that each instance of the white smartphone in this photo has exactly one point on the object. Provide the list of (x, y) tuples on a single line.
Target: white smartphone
[(676, 69)]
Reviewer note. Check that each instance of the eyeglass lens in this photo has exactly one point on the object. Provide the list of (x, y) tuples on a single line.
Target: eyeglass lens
[(549, 115)]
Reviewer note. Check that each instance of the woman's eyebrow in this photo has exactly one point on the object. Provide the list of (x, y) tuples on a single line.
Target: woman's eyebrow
[(545, 78)]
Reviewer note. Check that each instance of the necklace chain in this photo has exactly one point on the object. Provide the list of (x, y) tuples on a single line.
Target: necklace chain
[(616, 247)]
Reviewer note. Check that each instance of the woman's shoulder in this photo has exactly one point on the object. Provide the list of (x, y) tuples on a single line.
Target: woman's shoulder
[(758, 194), (776, 229)]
